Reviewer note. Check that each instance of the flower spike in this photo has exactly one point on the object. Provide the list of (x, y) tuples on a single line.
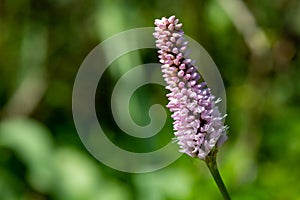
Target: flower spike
[(198, 124)]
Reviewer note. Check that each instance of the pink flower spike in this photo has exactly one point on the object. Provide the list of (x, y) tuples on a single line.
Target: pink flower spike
[(198, 124)]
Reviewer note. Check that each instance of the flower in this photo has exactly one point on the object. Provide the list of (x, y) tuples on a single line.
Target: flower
[(198, 124)]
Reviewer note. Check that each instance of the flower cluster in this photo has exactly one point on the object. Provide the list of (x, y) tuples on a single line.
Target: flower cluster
[(198, 124)]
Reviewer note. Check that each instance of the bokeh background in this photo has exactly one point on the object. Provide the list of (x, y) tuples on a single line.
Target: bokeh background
[(255, 44)]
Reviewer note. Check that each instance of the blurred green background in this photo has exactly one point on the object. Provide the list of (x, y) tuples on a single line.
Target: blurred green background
[(255, 44)]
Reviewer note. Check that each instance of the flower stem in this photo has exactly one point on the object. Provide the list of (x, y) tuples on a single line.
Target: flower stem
[(211, 163)]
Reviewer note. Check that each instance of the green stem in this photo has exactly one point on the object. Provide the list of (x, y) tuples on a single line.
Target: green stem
[(213, 168)]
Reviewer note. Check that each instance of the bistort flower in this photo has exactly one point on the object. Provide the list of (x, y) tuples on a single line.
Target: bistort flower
[(198, 124)]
